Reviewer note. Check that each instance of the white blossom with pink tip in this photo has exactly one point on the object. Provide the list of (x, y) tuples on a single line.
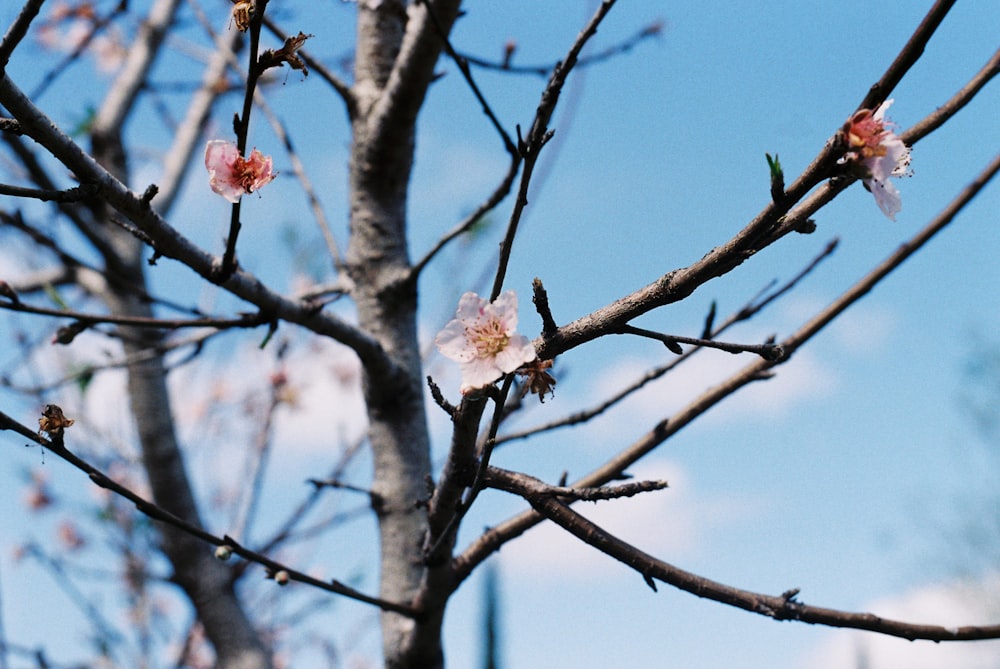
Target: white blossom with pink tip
[(877, 154), (231, 175), (482, 339)]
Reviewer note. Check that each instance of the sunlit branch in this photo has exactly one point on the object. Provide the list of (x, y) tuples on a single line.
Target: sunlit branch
[(524, 485), (10, 125), (494, 538), (55, 445)]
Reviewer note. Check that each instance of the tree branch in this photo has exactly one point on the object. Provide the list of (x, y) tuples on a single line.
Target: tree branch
[(766, 228), (747, 311), (55, 445), (169, 243), (18, 29), (527, 486), (539, 135), (494, 538), (783, 607)]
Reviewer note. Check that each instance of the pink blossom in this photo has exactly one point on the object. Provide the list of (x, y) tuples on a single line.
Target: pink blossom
[(482, 339), (876, 153), (231, 175)]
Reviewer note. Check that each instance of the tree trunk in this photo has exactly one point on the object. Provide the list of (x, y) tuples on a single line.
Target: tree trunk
[(396, 53)]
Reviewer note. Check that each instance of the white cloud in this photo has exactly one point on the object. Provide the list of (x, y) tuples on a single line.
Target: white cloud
[(954, 604)]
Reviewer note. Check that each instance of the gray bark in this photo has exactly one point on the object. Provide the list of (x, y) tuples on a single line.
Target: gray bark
[(397, 49)]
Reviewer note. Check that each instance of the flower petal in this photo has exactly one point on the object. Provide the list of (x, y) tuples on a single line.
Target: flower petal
[(453, 342), (518, 351), (886, 197)]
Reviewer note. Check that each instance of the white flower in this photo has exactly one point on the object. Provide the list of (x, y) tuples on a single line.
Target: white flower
[(877, 154), (482, 339)]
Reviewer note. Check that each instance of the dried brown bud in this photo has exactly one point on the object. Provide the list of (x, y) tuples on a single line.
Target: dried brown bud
[(53, 422), (243, 11)]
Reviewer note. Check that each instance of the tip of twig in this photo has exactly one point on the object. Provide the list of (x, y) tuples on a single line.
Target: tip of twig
[(439, 399)]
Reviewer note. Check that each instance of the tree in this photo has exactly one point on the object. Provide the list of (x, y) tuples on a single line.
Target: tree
[(128, 231)]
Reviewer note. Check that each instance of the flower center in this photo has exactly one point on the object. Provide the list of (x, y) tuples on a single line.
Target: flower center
[(489, 337), (865, 134), (246, 173)]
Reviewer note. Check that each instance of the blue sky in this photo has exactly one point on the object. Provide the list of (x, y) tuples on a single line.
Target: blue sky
[(834, 477)]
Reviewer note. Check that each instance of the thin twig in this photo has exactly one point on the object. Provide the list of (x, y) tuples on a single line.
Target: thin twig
[(168, 242), (244, 321), (746, 312), (767, 227), (654, 29), (768, 351), (75, 194), (539, 135), (907, 56), (496, 197), (62, 67), (307, 187), (241, 124), (936, 119), (18, 29)]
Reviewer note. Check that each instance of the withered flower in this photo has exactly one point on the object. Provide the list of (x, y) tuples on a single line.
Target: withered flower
[(537, 380), (53, 422), (288, 53)]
